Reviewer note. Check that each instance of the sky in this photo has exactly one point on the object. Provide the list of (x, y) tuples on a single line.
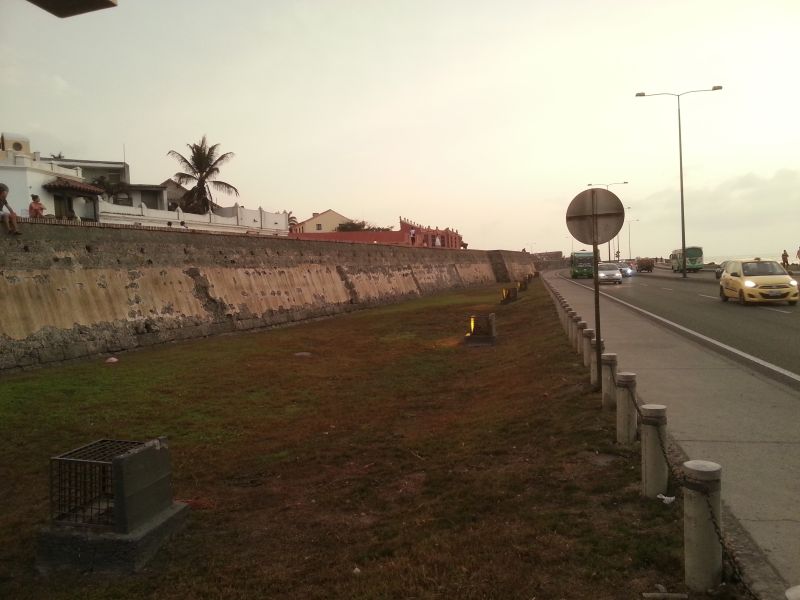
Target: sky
[(486, 116)]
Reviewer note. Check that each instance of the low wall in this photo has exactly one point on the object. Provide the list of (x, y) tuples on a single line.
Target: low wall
[(73, 290)]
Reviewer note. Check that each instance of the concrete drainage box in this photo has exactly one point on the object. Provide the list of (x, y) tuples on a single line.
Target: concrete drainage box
[(111, 507)]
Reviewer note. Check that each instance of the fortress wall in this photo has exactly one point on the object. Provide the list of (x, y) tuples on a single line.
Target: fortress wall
[(68, 291)]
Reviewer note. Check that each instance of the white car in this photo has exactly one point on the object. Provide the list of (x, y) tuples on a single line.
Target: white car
[(608, 273)]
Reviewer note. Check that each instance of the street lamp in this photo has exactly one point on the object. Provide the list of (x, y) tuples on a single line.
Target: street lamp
[(630, 254), (608, 185), (680, 159)]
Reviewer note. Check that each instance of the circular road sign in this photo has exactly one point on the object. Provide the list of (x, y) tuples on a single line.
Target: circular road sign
[(582, 211)]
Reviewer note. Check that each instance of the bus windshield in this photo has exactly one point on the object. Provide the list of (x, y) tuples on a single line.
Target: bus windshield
[(694, 252)]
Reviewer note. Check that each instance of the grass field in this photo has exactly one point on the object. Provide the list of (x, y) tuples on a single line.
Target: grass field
[(393, 462)]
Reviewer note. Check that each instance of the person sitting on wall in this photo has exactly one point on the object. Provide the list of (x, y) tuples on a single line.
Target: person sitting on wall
[(10, 218), (72, 216), (35, 208)]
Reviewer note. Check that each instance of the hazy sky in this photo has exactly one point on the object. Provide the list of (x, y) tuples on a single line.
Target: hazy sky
[(488, 116)]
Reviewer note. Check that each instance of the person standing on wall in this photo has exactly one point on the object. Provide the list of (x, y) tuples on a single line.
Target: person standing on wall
[(10, 218), (785, 259)]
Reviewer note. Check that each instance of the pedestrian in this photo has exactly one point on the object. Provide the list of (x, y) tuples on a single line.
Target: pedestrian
[(35, 208), (10, 218), (785, 259), (413, 235)]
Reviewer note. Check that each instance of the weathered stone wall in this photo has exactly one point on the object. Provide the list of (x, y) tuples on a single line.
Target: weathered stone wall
[(75, 290)]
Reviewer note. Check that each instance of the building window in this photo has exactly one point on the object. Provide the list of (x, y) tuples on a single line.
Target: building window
[(319, 226)]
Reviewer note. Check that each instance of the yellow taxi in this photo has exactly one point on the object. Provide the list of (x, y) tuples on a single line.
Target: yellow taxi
[(757, 280)]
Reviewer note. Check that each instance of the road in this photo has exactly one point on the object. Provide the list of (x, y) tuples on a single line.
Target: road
[(769, 332)]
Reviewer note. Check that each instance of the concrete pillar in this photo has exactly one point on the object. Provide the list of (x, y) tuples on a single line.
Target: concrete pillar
[(702, 549), (574, 332), (655, 470), (573, 321), (586, 346), (793, 593), (609, 381), (593, 376), (626, 412), (579, 327)]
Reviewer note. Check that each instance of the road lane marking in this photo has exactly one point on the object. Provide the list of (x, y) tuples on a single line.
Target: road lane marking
[(668, 289), (672, 324), (712, 297), (786, 312)]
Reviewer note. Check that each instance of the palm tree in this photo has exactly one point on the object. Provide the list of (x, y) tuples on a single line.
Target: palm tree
[(201, 169), (292, 219)]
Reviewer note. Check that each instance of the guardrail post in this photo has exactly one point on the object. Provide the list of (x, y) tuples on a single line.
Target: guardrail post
[(626, 413), (593, 377), (586, 346), (609, 381), (655, 470), (573, 321), (702, 547), (580, 326)]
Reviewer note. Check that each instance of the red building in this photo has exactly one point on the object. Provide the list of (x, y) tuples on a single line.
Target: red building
[(410, 234)]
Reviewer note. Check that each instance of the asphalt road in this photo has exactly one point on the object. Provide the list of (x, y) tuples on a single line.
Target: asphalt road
[(769, 332)]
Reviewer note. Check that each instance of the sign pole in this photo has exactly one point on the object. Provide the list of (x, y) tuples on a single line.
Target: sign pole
[(594, 217), (596, 255)]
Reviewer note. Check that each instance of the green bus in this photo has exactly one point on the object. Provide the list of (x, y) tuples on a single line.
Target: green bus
[(581, 264), (694, 259)]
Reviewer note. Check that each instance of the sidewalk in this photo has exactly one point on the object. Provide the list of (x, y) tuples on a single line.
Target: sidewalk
[(718, 410)]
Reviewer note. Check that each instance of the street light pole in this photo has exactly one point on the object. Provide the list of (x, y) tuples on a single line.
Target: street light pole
[(608, 185), (680, 159), (630, 254)]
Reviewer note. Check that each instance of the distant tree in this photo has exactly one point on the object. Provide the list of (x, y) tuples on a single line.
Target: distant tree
[(360, 226), (201, 168), (292, 219), (58, 156), (111, 189)]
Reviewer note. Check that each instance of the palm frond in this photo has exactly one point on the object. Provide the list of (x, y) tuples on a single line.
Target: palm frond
[(225, 188)]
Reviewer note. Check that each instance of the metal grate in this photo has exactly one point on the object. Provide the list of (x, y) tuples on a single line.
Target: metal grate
[(82, 485)]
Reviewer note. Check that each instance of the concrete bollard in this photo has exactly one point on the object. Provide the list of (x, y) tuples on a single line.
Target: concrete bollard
[(575, 320), (626, 413), (580, 326), (586, 346), (562, 314), (793, 593), (609, 381), (593, 378), (655, 470), (702, 550), (571, 314)]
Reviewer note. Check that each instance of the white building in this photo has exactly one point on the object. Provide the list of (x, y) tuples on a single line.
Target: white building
[(101, 191)]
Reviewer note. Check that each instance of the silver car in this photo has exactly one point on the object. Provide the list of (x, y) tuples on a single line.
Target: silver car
[(608, 273)]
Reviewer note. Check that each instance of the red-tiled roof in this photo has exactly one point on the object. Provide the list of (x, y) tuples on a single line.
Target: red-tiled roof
[(60, 184)]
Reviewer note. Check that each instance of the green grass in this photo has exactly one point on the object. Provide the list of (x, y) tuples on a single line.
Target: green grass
[(435, 469)]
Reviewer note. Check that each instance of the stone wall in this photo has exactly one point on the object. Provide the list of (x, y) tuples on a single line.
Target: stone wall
[(73, 290)]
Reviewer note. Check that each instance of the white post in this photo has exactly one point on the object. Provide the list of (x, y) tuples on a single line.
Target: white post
[(793, 593), (593, 377), (609, 381), (588, 336), (626, 413), (573, 321), (702, 549), (581, 325), (655, 470)]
